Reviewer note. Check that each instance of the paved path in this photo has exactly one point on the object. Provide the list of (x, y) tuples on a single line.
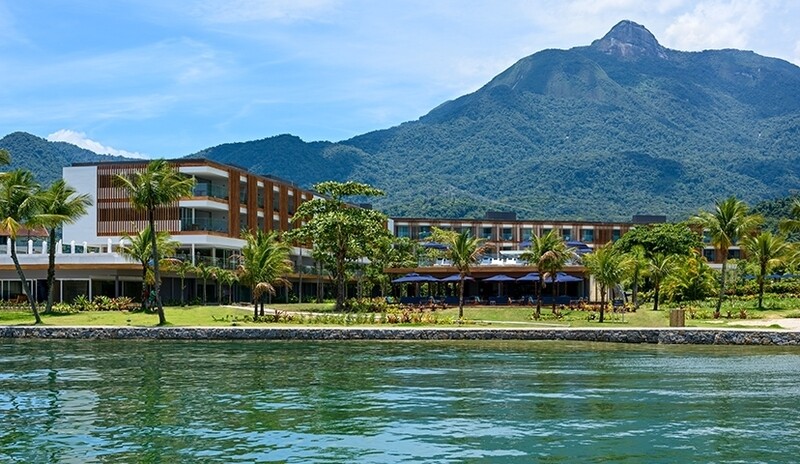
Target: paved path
[(786, 323)]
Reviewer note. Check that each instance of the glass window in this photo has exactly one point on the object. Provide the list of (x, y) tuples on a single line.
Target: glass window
[(276, 200), (402, 231), (242, 222), (243, 193), (260, 197), (566, 233), (276, 225), (508, 233), (290, 207), (527, 233), (260, 223), (587, 235), (615, 234), (424, 231), (710, 254), (546, 231), (486, 232)]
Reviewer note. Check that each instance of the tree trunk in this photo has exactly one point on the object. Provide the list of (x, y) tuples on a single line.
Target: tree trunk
[(461, 297), (144, 287), (255, 302), (51, 271), (156, 270), (205, 284), (13, 245), (635, 289), (656, 294), (553, 291), (761, 286), (602, 302), (718, 310), (340, 282), (183, 288), (539, 299)]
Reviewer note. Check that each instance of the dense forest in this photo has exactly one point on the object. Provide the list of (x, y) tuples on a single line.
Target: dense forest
[(601, 132)]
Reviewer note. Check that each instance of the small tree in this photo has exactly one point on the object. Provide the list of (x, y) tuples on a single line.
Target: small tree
[(726, 225), (343, 232), (549, 253), (138, 248), (607, 265), (463, 250), (767, 251), (263, 265), (661, 266), (204, 273), (226, 277), (181, 267)]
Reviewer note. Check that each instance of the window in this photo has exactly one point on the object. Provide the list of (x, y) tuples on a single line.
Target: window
[(466, 229), (587, 235), (424, 231), (706, 237), (402, 232), (260, 197), (243, 222), (276, 201), (243, 193), (615, 234), (260, 223), (710, 254), (566, 233), (276, 225), (527, 233), (290, 208), (486, 233), (508, 233), (546, 230)]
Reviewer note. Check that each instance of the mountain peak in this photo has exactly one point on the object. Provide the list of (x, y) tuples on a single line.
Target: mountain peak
[(630, 40)]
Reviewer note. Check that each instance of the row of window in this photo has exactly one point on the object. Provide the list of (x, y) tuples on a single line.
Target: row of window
[(207, 188), (504, 233)]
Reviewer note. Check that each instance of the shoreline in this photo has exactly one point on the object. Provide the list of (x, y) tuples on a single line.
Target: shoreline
[(661, 336)]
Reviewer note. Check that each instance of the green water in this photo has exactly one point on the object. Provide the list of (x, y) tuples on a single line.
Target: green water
[(436, 402)]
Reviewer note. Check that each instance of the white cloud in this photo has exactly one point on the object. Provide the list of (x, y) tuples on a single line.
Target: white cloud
[(716, 24), (80, 139)]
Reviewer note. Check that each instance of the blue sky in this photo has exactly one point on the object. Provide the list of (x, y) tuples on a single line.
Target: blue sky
[(166, 78)]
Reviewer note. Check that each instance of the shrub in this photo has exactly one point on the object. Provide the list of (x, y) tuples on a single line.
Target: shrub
[(82, 303), (64, 308)]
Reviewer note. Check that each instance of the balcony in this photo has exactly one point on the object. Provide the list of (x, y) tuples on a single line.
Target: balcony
[(205, 224), (211, 191)]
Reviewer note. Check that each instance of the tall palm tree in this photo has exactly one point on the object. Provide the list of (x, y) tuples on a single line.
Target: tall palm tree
[(158, 185), (138, 248), (608, 266), (767, 251), (792, 224), (637, 265), (60, 204), (463, 250), (549, 253), (19, 203), (727, 224), (660, 266), (226, 277), (264, 262)]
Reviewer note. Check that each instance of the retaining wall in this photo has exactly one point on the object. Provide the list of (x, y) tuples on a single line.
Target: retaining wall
[(659, 336)]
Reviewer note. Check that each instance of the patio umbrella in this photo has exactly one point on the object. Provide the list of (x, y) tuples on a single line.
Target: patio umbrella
[(564, 277), (434, 245), (529, 277), (454, 278), (414, 278), (499, 278)]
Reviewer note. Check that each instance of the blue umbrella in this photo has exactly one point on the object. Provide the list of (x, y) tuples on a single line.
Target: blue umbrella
[(434, 245), (454, 278), (414, 278), (499, 278), (530, 277)]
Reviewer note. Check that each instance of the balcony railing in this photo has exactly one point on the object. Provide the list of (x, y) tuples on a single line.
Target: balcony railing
[(211, 190), (205, 224)]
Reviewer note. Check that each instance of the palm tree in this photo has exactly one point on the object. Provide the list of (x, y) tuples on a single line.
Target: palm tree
[(549, 254), (226, 277), (792, 224), (264, 262), (5, 157), (767, 251), (60, 204), (205, 272), (608, 267), (463, 250), (140, 251), (660, 266), (19, 203), (729, 223), (158, 185), (637, 265)]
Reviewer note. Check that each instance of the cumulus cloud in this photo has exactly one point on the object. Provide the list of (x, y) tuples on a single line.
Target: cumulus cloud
[(716, 24), (80, 139)]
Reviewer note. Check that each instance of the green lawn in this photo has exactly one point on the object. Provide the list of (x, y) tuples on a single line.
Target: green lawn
[(497, 316)]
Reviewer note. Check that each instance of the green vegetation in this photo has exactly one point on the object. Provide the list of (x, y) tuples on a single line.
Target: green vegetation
[(265, 262)]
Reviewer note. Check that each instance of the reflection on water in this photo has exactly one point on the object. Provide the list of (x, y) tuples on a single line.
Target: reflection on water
[(137, 401)]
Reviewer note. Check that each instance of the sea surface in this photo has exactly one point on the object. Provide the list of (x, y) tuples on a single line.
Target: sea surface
[(396, 402)]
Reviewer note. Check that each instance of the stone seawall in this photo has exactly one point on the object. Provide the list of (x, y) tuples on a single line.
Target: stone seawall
[(659, 336)]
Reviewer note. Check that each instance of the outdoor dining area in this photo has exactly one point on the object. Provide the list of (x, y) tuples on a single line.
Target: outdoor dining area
[(495, 289)]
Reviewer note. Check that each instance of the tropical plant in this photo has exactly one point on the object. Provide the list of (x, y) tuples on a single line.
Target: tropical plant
[(204, 273), (691, 279), (637, 267), (726, 225), (792, 224), (549, 253), (767, 251), (158, 185), (660, 266), (5, 157), (263, 264), (226, 277), (19, 203), (608, 266), (340, 233), (138, 248), (60, 204), (181, 267), (463, 250)]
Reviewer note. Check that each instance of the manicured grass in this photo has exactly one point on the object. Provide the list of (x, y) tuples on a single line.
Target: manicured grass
[(186, 316)]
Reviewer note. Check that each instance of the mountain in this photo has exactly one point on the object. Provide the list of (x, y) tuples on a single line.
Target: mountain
[(44, 158), (619, 127)]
